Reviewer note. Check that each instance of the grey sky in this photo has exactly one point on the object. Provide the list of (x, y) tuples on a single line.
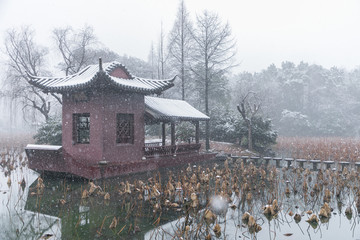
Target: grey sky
[(325, 32)]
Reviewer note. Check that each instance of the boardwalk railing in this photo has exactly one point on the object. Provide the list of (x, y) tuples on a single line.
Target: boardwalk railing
[(291, 162), (152, 151)]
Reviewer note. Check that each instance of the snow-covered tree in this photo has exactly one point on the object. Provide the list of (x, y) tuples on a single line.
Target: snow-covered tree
[(50, 132), (214, 52), (180, 46)]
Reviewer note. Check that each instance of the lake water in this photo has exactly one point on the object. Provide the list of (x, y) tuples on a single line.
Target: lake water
[(58, 209)]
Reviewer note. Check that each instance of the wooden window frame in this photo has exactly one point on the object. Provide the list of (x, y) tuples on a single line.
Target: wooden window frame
[(79, 131), (124, 128)]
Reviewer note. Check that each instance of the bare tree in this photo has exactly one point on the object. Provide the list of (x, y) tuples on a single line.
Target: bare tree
[(26, 56), (214, 54), (249, 106), (151, 60), (161, 55), (75, 48), (180, 42)]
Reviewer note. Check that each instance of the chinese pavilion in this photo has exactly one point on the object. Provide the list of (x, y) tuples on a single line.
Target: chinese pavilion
[(104, 112)]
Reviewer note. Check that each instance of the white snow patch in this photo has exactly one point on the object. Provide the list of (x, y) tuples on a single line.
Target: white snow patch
[(42, 147)]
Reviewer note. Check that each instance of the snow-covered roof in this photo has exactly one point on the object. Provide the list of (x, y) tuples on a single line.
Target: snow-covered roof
[(91, 74), (164, 109), (43, 147)]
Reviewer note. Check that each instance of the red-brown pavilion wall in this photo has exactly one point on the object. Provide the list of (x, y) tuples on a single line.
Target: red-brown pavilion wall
[(103, 109), (92, 152), (129, 104)]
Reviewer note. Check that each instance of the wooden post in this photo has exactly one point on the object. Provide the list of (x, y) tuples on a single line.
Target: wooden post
[(163, 133), (172, 133), (197, 132)]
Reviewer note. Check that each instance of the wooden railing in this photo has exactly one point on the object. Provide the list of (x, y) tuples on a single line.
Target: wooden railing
[(153, 144), (150, 151)]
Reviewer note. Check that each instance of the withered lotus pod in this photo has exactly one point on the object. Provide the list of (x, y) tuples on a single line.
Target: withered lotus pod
[(275, 206), (245, 218), (269, 211), (209, 216), (85, 194), (255, 228), (287, 192), (313, 221), (348, 213), (217, 230), (251, 222), (107, 196), (297, 218)]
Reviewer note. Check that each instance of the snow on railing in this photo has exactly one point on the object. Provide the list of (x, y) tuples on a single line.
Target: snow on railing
[(171, 149)]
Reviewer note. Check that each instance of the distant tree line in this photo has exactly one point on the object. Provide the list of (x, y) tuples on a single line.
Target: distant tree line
[(307, 100)]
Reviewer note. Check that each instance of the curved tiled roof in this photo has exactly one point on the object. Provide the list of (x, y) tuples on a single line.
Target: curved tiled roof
[(164, 109), (92, 73)]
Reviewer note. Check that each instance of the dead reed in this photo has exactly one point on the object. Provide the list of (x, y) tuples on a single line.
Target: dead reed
[(321, 148)]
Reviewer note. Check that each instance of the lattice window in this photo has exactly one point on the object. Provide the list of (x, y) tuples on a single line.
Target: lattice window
[(124, 128), (81, 132)]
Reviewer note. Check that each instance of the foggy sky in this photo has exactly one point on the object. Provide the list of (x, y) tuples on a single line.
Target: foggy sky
[(325, 32)]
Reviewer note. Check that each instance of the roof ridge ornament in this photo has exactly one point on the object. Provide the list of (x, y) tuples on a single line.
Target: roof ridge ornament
[(100, 64)]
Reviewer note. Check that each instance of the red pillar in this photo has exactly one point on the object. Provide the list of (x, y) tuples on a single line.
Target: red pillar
[(172, 133), (197, 132), (163, 133)]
